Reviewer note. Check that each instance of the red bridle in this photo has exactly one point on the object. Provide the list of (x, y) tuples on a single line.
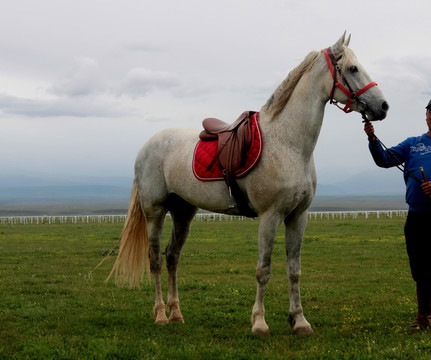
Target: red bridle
[(334, 68)]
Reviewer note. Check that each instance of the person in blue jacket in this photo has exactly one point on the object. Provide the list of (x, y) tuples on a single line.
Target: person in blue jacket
[(415, 154)]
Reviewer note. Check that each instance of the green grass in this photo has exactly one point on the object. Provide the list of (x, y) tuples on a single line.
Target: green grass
[(356, 292)]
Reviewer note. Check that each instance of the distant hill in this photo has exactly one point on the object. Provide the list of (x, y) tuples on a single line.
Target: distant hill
[(17, 189), (358, 203), (39, 194), (382, 182)]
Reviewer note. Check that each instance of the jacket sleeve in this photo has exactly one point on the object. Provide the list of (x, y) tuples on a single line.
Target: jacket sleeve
[(387, 158)]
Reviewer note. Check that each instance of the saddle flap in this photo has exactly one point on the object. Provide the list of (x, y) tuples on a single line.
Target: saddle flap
[(233, 147)]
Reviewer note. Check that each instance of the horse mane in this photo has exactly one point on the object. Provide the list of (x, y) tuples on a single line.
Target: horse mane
[(282, 94)]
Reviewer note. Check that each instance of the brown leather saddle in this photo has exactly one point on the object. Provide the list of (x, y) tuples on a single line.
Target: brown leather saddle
[(234, 140)]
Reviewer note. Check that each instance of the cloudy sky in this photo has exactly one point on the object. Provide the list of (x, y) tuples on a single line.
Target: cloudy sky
[(85, 83)]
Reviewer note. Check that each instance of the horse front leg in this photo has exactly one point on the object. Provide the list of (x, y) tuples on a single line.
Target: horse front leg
[(267, 230), (294, 232)]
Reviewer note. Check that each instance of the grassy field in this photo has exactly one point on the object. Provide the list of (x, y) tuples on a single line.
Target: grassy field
[(356, 290)]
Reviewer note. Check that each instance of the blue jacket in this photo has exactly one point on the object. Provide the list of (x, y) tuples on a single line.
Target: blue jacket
[(414, 152)]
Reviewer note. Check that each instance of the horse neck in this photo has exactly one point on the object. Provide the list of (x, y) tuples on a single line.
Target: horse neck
[(299, 123)]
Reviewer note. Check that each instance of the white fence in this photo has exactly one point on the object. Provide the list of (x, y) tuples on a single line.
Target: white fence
[(355, 214), (81, 219), (62, 219)]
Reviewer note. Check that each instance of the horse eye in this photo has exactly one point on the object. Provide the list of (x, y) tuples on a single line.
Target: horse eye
[(353, 69)]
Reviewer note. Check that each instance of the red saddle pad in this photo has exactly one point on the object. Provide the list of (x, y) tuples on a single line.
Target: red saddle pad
[(205, 151)]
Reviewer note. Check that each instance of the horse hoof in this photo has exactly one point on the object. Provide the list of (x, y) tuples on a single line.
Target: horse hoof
[(161, 319), (304, 330), (260, 331), (300, 329), (176, 320)]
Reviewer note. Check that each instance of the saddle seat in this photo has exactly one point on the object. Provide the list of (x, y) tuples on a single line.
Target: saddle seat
[(234, 140), (214, 126)]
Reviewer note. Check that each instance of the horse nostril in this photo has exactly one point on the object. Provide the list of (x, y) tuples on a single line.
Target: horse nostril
[(385, 106)]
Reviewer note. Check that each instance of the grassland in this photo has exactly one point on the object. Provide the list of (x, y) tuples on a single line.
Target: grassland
[(356, 290)]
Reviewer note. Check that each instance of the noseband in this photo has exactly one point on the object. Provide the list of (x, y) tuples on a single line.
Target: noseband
[(353, 96)]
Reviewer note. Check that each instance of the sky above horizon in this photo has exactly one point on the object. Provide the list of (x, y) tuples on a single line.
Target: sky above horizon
[(84, 84)]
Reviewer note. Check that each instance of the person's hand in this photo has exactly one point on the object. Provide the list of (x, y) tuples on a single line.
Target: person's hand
[(426, 187), (369, 130)]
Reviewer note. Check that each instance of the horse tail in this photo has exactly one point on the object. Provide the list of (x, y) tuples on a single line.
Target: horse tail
[(133, 261)]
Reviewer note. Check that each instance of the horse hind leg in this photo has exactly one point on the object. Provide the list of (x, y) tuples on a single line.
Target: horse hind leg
[(155, 221), (140, 242), (182, 215)]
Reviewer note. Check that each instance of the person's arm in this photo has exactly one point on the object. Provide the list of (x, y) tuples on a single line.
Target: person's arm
[(383, 158), (369, 130)]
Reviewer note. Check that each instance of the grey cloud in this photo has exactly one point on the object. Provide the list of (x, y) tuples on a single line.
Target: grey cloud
[(61, 107), (140, 81), (82, 93), (406, 73), (143, 47), (195, 89), (84, 79)]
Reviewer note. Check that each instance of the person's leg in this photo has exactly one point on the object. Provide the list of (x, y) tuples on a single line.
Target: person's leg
[(418, 249), (423, 298)]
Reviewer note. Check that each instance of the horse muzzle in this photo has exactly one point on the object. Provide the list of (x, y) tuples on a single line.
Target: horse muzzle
[(369, 114)]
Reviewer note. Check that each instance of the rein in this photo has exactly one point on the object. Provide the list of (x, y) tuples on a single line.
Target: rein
[(353, 96)]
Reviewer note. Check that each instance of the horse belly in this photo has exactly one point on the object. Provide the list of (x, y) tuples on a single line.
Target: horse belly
[(165, 163), (208, 195)]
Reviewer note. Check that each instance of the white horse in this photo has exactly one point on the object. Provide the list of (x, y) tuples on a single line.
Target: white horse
[(280, 188)]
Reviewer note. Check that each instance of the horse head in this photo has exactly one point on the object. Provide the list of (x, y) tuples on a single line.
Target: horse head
[(351, 84)]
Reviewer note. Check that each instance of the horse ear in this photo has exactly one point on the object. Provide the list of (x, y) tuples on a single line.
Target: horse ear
[(347, 42), (338, 46)]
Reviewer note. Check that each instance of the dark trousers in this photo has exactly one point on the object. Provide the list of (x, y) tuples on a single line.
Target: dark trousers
[(417, 231)]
